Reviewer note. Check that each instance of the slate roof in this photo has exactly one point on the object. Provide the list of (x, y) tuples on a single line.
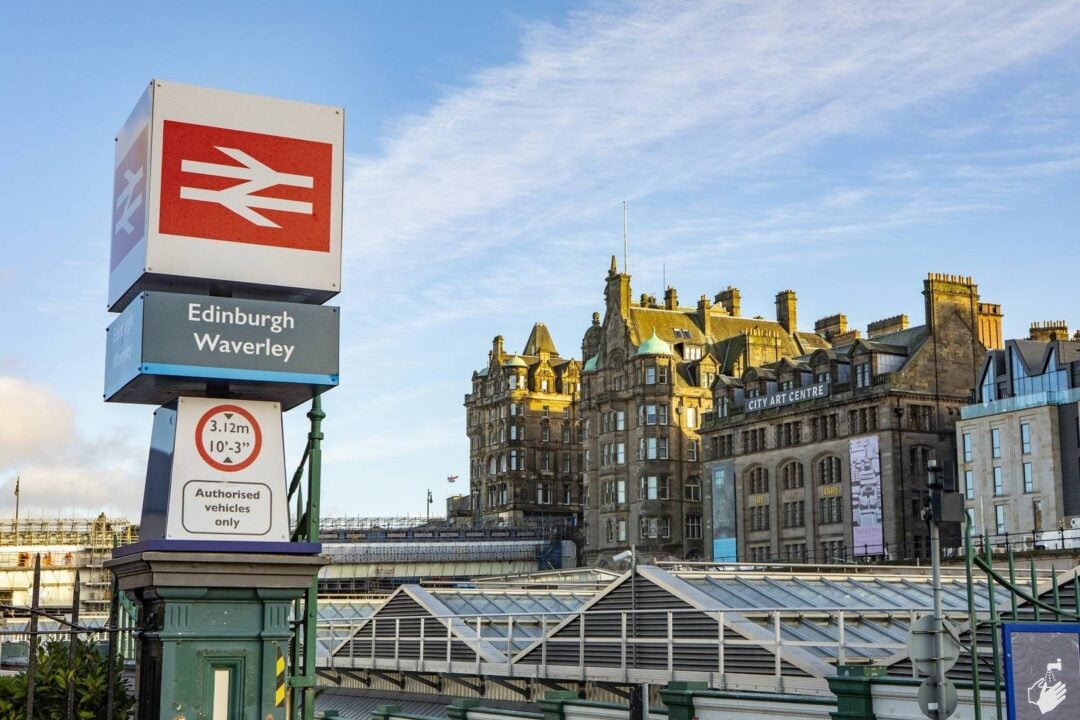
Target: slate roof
[(540, 341)]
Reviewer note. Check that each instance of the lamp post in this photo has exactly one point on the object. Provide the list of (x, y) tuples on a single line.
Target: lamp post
[(933, 516), (898, 411)]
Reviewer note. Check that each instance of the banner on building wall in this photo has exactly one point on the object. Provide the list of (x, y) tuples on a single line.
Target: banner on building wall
[(867, 535), (724, 546)]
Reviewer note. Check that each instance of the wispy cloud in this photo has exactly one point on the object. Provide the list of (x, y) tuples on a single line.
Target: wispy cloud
[(497, 206), (628, 103)]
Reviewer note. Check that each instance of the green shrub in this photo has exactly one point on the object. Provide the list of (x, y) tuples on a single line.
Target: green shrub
[(90, 675)]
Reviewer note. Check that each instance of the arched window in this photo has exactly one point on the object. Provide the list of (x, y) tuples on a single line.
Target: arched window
[(758, 480), (791, 475), (828, 470), (692, 489)]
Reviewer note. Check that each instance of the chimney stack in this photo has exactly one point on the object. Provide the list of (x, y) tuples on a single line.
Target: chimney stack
[(785, 310)]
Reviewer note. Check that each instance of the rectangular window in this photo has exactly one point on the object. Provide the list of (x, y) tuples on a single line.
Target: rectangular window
[(661, 374), (995, 443), (620, 492), (999, 519), (566, 463), (620, 453), (999, 485), (691, 417), (566, 413), (691, 450), (622, 530), (620, 419), (543, 493), (967, 447), (969, 484), (1025, 438), (693, 527), (1029, 480), (862, 375), (650, 375)]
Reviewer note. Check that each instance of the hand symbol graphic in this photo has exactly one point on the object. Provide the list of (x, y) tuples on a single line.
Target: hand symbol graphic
[(1049, 696)]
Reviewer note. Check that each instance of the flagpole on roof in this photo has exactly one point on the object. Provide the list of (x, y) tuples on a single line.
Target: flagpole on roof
[(625, 240), (17, 509)]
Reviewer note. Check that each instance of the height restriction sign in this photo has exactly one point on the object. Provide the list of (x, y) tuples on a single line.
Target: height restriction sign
[(228, 438), (227, 480)]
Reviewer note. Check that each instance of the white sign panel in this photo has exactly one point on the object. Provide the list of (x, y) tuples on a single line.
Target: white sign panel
[(228, 474), (214, 187)]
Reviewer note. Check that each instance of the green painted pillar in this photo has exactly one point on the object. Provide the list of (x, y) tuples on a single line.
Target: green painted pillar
[(679, 698), (459, 709), (554, 700), (213, 627), (851, 685), (385, 712)]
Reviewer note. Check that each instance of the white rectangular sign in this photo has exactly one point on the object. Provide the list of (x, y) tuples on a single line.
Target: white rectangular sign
[(217, 188), (228, 472)]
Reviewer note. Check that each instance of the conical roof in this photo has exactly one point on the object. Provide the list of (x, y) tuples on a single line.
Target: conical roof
[(515, 361), (540, 341)]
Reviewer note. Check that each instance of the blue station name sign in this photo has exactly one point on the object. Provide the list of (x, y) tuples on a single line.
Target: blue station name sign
[(165, 345)]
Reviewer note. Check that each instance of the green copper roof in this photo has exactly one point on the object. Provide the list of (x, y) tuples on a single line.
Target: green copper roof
[(515, 361), (590, 364), (654, 346)]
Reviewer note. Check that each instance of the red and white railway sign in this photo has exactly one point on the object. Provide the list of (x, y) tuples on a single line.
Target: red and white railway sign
[(216, 188), (235, 186)]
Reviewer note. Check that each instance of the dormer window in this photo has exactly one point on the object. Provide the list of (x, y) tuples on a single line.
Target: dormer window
[(822, 376), (862, 375), (786, 385), (692, 352)]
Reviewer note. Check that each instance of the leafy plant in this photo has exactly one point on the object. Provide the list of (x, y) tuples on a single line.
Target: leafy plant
[(89, 674)]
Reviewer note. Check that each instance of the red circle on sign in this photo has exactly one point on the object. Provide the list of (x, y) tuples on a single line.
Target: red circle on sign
[(206, 455)]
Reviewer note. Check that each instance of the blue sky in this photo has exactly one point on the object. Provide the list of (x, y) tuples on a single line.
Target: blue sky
[(840, 149)]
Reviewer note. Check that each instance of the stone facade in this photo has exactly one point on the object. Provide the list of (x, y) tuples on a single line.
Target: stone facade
[(784, 433), (1019, 444), (525, 458), (645, 388)]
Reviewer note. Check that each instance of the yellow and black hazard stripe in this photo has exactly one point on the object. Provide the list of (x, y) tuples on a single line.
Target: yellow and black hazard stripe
[(279, 674)]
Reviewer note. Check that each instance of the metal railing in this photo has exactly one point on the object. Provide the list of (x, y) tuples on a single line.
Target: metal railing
[(20, 646), (524, 646)]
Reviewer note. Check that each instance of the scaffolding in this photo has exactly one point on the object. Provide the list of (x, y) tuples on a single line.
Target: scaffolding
[(82, 544)]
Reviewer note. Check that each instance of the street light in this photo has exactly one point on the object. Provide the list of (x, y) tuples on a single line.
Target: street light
[(933, 513)]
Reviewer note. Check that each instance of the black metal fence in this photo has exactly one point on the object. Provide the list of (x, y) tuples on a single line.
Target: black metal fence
[(33, 634)]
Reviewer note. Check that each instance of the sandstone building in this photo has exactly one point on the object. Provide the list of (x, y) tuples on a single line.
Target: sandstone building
[(646, 385), (821, 455), (1019, 444), (525, 458)]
